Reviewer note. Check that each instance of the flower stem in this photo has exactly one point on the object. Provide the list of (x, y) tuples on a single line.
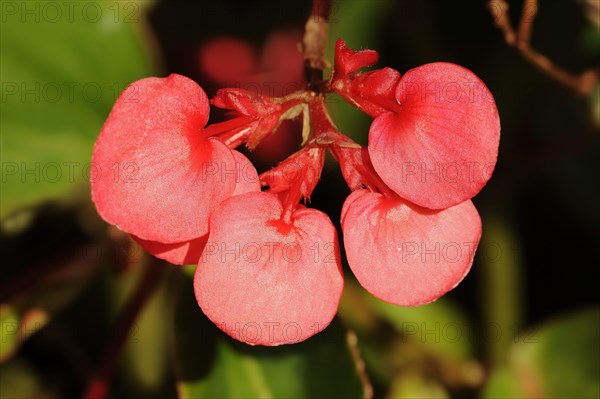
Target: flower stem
[(582, 84), (321, 8), (315, 42)]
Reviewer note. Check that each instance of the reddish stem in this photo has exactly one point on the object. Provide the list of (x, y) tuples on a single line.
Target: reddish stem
[(314, 42), (321, 8), (355, 158)]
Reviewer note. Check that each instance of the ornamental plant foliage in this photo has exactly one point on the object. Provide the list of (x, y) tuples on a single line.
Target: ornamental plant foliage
[(265, 257)]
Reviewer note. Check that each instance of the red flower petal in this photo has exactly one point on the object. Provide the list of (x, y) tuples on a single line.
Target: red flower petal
[(156, 175), (441, 147), (264, 282), (405, 254), (348, 61), (244, 102), (181, 253), (299, 172), (188, 252), (372, 92), (247, 177)]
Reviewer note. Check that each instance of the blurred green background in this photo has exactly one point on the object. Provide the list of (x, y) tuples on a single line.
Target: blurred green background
[(79, 301)]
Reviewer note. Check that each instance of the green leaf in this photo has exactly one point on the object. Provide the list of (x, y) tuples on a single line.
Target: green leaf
[(357, 22), (440, 327), (499, 268), (212, 365), (557, 360), (415, 385), (564, 356), (62, 67), (399, 344), (145, 372), (503, 383), (9, 332)]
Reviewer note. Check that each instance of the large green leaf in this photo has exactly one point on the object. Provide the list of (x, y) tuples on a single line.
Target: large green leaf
[(62, 67), (212, 365)]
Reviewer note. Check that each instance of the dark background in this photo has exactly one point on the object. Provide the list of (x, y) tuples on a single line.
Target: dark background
[(538, 258)]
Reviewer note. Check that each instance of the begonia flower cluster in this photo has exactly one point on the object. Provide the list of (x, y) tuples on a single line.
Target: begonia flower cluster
[(269, 266)]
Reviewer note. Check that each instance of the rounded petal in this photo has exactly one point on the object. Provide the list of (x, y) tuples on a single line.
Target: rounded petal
[(247, 176), (265, 282), (154, 174), (188, 252), (405, 254), (180, 253), (440, 147)]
